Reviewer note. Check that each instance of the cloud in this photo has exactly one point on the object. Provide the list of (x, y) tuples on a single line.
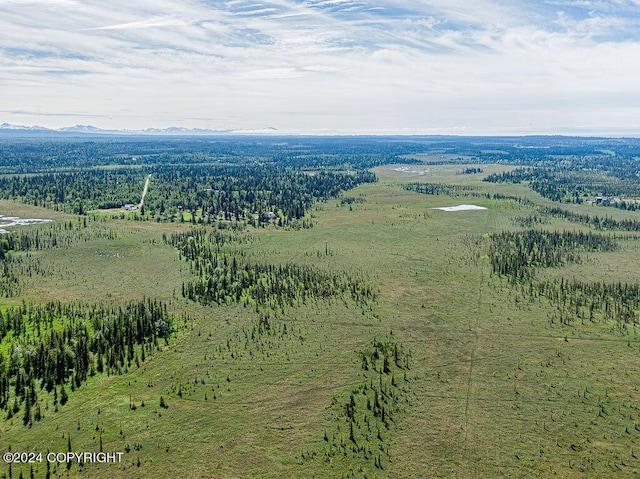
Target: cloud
[(322, 65), (73, 114), (149, 23)]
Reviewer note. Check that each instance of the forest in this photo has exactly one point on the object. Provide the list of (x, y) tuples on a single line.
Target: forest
[(568, 184), (24, 153), (55, 344), (242, 194)]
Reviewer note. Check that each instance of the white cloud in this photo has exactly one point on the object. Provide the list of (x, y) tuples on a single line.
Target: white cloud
[(328, 65), (149, 23)]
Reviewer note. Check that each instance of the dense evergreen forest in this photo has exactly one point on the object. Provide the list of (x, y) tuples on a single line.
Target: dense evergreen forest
[(22, 153), (243, 193), (77, 191), (256, 194), (56, 346)]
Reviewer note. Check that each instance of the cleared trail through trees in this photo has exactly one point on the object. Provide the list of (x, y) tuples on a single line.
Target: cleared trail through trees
[(144, 191), (470, 450)]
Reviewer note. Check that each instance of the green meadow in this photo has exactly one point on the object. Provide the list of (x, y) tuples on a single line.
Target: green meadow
[(452, 371)]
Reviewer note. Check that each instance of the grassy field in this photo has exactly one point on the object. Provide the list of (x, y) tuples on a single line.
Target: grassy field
[(494, 388)]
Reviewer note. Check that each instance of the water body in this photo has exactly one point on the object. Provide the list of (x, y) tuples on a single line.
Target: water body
[(460, 208), (9, 221), (408, 169)]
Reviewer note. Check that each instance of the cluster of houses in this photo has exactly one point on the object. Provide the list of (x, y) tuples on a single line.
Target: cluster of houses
[(601, 200), (614, 201)]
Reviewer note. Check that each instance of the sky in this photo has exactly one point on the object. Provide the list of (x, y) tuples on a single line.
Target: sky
[(463, 67)]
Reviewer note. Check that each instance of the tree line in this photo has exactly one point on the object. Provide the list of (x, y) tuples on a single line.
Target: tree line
[(76, 191), (445, 189), (605, 223), (595, 301), (29, 155), (223, 277), (516, 254)]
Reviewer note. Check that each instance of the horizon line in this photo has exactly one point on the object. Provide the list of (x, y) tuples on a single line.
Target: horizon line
[(7, 130)]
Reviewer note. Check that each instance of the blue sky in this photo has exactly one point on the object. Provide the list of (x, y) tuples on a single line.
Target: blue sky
[(324, 66)]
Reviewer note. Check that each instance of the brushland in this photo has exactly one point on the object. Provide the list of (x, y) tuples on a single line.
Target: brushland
[(387, 340)]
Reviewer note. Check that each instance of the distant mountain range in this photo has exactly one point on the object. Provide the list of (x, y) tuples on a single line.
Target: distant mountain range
[(9, 129)]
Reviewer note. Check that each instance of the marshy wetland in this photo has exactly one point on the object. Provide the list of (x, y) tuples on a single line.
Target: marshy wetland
[(368, 336)]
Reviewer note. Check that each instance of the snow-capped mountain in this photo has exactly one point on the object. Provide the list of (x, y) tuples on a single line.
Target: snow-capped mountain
[(8, 129)]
